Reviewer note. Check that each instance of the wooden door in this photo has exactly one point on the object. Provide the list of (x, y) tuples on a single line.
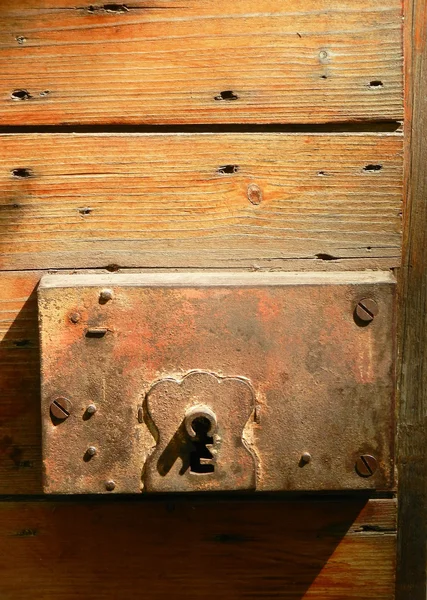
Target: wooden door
[(244, 136)]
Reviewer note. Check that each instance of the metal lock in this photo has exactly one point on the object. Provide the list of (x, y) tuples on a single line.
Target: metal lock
[(217, 381)]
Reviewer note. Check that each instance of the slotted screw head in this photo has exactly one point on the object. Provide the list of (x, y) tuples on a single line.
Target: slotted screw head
[(366, 465), (60, 408), (367, 310)]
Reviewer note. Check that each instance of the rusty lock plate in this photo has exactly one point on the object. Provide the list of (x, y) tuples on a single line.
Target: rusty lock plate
[(217, 381)]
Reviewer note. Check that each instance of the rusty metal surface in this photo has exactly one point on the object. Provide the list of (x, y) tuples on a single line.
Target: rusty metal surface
[(297, 391)]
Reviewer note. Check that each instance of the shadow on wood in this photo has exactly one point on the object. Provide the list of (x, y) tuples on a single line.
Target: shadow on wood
[(20, 443), (195, 547)]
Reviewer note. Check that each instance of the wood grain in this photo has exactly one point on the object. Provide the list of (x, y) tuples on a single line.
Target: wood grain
[(187, 548), (412, 456), (166, 200), (295, 61)]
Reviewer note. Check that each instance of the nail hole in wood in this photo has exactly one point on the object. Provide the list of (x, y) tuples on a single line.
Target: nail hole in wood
[(22, 173), (20, 95), (372, 168), (85, 210), (227, 95), (228, 169), (22, 343)]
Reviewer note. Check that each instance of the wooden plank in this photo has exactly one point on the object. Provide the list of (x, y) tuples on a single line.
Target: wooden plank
[(210, 61), (412, 457), (198, 200), (188, 548)]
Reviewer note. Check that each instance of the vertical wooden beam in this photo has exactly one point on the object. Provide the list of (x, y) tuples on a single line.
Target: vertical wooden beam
[(412, 430)]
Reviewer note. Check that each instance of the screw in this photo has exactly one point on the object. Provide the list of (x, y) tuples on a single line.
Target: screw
[(60, 408), (91, 410), (110, 485), (323, 55), (75, 317), (366, 465), (105, 296), (367, 310), (306, 457), (91, 451)]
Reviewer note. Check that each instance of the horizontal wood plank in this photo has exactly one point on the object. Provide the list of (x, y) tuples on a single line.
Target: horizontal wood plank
[(198, 200), (188, 548), (210, 61)]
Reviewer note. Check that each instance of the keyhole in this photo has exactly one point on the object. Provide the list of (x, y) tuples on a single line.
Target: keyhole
[(201, 458)]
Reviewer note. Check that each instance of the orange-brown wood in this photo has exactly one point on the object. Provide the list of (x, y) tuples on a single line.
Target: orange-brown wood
[(186, 200), (204, 61), (192, 548)]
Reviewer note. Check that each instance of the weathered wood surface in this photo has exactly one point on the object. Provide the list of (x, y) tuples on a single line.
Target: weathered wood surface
[(295, 61), (412, 425), (190, 548), (166, 200)]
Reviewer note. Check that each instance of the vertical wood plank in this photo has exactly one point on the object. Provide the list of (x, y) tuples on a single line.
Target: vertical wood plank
[(412, 460)]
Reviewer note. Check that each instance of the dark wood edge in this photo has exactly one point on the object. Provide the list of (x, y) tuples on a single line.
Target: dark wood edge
[(412, 446)]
